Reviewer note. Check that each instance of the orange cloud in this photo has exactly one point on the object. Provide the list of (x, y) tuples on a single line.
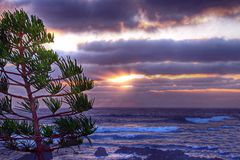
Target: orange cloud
[(128, 77), (199, 90), (125, 78), (203, 17), (181, 76)]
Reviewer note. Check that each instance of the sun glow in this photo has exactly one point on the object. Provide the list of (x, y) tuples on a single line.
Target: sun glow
[(126, 86), (125, 78), (65, 42)]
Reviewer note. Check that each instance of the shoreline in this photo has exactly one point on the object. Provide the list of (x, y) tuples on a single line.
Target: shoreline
[(156, 154), (113, 153)]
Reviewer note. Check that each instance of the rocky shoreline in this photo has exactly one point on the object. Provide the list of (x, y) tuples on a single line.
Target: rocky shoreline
[(155, 154), (128, 153)]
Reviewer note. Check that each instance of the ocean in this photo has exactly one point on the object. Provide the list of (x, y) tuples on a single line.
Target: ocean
[(202, 133), (198, 132)]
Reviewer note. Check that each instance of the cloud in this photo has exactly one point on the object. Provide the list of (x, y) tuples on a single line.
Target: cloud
[(78, 15), (160, 92), (167, 99), (115, 15), (163, 84), (177, 10), (171, 68), (215, 58), (135, 51), (8, 4)]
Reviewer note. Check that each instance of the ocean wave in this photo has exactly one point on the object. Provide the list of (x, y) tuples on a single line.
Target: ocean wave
[(163, 129), (207, 120), (133, 136), (128, 136), (202, 147)]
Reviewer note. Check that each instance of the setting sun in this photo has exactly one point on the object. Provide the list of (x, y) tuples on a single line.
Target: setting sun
[(125, 78), (145, 79), (126, 86)]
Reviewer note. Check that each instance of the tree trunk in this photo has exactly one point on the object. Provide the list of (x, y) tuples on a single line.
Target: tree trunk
[(37, 134)]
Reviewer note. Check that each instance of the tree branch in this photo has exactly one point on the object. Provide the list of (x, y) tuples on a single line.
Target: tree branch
[(25, 117), (59, 79), (19, 83), (17, 74), (15, 96), (15, 84), (54, 95), (36, 90), (4, 138), (16, 119), (67, 113), (16, 114)]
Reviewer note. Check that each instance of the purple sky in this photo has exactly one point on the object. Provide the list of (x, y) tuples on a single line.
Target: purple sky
[(149, 53)]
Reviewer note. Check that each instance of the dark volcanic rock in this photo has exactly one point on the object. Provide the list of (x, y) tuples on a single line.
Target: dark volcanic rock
[(133, 158), (100, 152), (155, 154), (46, 155)]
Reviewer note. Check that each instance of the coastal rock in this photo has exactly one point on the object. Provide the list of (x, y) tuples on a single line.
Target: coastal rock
[(155, 154), (133, 158), (101, 152), (46, 155)]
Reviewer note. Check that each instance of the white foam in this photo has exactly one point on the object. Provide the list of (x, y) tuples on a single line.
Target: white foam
[(127, 136), (137, 129), (207, 120)]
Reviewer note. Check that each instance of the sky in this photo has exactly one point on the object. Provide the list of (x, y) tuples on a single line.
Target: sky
[(149, 53)]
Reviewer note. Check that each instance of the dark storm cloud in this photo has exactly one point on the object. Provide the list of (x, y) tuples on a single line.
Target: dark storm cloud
[(186, 83), (132, 51), (172, 68), (176, 10), (81, 15)]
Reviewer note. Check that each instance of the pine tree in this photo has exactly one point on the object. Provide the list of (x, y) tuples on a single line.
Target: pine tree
[(27, 65)]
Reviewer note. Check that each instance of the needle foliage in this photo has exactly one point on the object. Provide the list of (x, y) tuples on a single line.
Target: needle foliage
[(43, 80)]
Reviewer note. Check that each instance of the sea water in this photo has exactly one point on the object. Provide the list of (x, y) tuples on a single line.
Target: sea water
[(198, 132), (205, 133)]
